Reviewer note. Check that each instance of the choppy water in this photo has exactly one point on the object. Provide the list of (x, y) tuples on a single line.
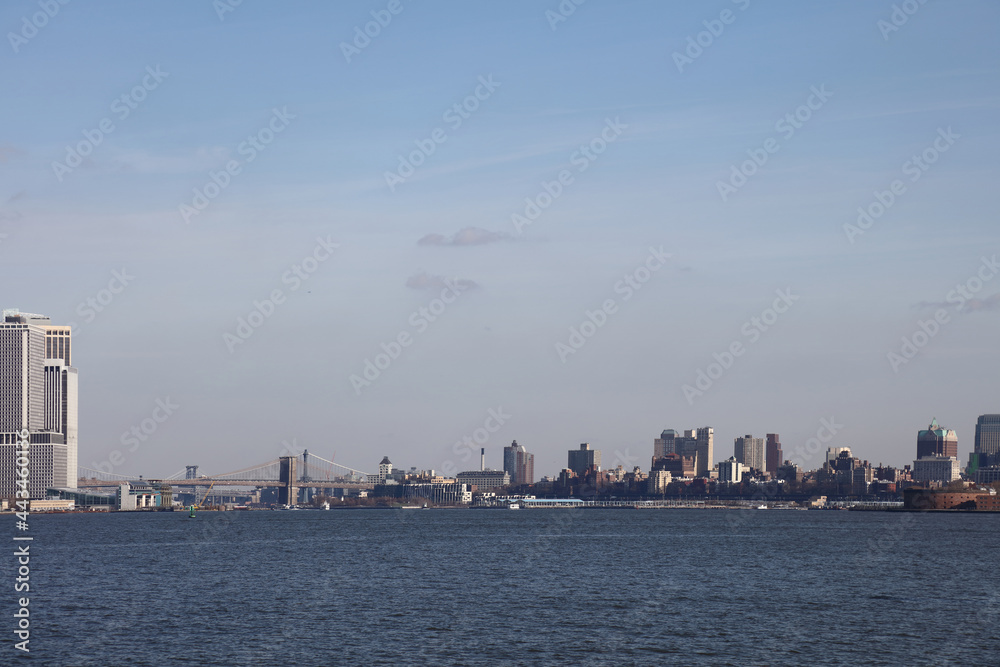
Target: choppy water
[(466, 587)]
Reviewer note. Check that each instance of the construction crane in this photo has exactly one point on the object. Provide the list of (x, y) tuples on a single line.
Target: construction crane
[(198, 506)]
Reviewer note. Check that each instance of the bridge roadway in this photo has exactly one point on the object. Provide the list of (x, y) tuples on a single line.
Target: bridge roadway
[(206, 481)]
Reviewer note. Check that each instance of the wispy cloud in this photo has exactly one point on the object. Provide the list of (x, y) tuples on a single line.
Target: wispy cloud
[(426, 281), (466, 237)]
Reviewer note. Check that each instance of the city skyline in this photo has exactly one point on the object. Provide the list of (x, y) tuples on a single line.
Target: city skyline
[(242, 252)]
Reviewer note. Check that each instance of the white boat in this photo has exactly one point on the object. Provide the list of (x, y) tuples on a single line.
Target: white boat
[(514, 506), (762, 507)]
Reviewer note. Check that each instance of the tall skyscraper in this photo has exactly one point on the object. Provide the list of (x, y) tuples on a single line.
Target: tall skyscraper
[(585, 457), (750, 451), (38, 393), (664, 444), (706, 445), (773, 456), (519, 464), (937, 441), (987, 444)]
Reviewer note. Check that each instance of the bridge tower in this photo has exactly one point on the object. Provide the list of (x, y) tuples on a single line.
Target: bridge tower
[(192, 472), (288, 492)]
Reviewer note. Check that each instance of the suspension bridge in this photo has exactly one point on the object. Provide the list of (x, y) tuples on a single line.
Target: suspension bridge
[(303, 471)]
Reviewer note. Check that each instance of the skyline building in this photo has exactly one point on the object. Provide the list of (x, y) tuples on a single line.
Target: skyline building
[(579, 460), (697, 444), (773, 455), (39, 393), (519, 464), (987, 444), (750, 451), (937, 441)]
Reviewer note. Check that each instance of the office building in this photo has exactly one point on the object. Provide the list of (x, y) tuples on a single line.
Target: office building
[(936, 469), (987, 444), (38, 392), (519, 464), (773, 455), (579, 460), (484, 480), (696, 444), (936, 441), (750, 451), (731, 471)]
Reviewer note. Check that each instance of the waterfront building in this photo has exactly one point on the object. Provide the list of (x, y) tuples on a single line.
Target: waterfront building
[(519, 464), (936, 469), (484, 480), (658, 481), (750, 451), (384, 472), (38, 393), (936, 441), (579, 460), (773, 454)]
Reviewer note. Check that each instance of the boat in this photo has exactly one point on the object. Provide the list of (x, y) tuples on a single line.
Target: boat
[(325, 505), (514, 506), (762, 507)]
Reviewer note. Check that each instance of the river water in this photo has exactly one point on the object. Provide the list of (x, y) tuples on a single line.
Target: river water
[(545, 586)]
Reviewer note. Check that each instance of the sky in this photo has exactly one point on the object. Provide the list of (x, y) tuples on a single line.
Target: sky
[(480, 222)]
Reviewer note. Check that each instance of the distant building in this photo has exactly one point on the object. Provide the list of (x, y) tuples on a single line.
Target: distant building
[(484, 480), (941, 469), (731, 471), (773, 455), (519, 464), (987, 444), (579, 460), (658, 481), (750, 451), (384, 472), (676, 465), (697, 444), (833, 452), (937, 441)]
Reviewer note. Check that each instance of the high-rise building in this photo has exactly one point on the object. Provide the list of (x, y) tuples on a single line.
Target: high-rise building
[(750, 451), (987, 443), (664, 444), (696, 444), (773, 455), (519, 464), (706, 446), (585, 457), (38, 393), (937, 441), (731, 471)]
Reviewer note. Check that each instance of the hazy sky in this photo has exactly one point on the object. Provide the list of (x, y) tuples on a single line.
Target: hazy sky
[(615, 123)]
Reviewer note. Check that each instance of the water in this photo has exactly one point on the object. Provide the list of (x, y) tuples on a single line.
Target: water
[(469, 587)]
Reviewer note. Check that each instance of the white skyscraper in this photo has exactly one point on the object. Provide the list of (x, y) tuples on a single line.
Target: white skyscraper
[(37, 393)]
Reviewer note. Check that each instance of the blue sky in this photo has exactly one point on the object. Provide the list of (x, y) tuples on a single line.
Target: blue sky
[(555, 90)]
